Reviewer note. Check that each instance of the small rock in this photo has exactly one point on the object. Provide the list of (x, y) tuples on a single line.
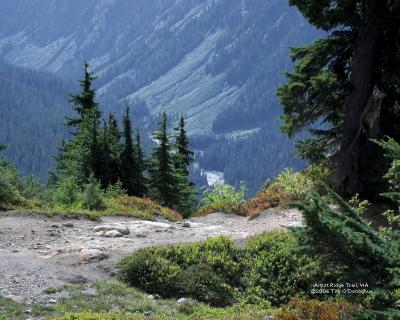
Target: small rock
[(78, 279), (53, 234), (150, 297), (92, 254), (186, 224), (28, 311), (113, 234), (183, 301), (54, 226), (148, 313), (68, 225), (141, 235), (52, 301)]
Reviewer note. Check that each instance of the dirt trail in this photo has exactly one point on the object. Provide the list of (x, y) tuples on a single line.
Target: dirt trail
[(37, 252)]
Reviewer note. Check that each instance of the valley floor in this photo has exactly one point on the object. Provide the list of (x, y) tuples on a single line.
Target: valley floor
[(38, 253)]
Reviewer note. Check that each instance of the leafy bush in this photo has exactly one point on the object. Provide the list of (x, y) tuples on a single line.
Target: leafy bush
[(67, 192), (32, 188), (224, 198), (217, 272), (92, 196), (206, 270), (299, 309), (9, 184), (274, 269), (150, 271)]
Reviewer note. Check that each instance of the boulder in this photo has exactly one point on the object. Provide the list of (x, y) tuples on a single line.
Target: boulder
[(92, 254), (113, 234), (109, 227)]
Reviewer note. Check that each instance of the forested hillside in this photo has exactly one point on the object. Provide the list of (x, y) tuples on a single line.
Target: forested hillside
[(218, 62), (33, 106)]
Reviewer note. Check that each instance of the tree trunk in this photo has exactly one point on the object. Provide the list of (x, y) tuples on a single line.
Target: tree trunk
[(348, 171)]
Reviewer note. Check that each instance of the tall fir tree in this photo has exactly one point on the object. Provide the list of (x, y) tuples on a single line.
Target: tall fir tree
[(162, 175), (349, 81), (140, 181), (79, 156), (183, 157), (128, 166)]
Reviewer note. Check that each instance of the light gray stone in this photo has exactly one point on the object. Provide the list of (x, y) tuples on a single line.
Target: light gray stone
[(92, 254)]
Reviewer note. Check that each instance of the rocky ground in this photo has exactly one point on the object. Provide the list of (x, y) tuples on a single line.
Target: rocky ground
[(38, 253)]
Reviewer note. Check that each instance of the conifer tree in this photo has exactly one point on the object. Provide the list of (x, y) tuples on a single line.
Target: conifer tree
[(129, 169), (162, 177), (347, 80), (79, 157), (183, 157), (140, 181), (111, 151)]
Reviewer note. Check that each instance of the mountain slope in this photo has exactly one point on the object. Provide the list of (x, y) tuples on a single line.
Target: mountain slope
[(217, 61), (33, 106)]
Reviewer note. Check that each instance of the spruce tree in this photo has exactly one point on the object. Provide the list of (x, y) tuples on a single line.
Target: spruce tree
[(183, 157), (111, 151), (128, 167), (348, 81), (79, 156), (162, 177), (140, 181)]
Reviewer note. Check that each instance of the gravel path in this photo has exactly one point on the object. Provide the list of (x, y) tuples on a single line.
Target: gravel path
[(37, 252)]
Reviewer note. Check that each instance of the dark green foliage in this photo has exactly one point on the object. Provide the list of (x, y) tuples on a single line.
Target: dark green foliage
[(92, 196), (162, 175), (9, 183), (129, 167), (215, 271), (346, 81), (81, 156), (275, 269), (140, 184), (367, 255), (184, 156)]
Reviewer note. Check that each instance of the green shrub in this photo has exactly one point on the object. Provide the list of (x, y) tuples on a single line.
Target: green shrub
[(147, 269), (274, 269), (92, 196), (9, 184), (224, 198), (67, 192), (32, 188), (217, 272), (207, 271)]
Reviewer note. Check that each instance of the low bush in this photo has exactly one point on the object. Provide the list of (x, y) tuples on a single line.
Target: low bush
[(92, 196), (299, 309), (217, 272), (274, 269), (206, 271), (9, 184), (224, 198), (288, 187)]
